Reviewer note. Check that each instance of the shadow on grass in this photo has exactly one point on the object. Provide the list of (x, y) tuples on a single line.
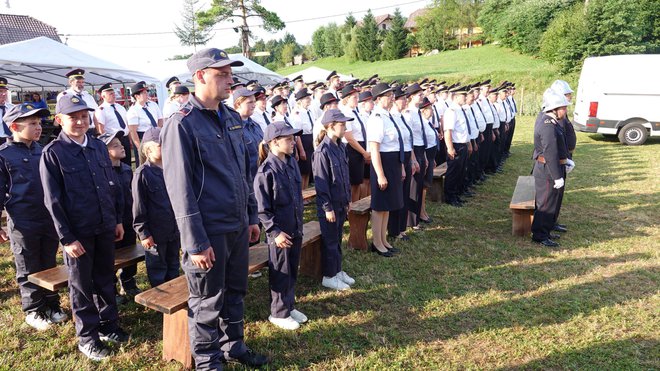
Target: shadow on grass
[(626, 354)]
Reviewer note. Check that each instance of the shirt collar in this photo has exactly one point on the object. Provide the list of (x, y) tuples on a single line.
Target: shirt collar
[(279, 164)]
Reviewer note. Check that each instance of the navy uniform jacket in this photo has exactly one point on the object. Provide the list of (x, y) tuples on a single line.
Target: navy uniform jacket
[(550, 143), (22, 194), (569, 135), (253, 136), (330, 168), (206, 171), (125, 176), (152, 211), (277, 189), (81, 191)]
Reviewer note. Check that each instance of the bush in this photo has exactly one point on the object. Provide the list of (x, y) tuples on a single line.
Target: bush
[(564, 42)]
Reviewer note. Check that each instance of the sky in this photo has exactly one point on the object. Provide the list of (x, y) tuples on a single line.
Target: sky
[(93, 26)]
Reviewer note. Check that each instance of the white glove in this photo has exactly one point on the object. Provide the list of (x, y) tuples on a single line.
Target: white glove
[(570, 165), (559, 183)]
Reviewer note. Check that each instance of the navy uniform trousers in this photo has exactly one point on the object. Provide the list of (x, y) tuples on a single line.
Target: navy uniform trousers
[(548, 202), (455, 173), (331, 233), (91, 283), (208, 301), (34, 251), (282, 276), (398, 220), (485, 147)]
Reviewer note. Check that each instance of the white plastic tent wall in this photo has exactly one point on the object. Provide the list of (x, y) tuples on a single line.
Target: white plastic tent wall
[(317, 74), (42, 63)]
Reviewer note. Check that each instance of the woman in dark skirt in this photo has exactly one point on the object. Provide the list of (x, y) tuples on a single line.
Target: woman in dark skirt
[(365, 106), (398, 222), (432, 145), (414, 118), (387, 171), (355, 140), (301, 118)]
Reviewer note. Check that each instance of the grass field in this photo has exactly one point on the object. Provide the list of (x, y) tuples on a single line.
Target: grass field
[(532, 76), (463, 294)]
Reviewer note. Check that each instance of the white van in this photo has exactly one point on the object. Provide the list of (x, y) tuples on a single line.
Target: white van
[(620, 95)]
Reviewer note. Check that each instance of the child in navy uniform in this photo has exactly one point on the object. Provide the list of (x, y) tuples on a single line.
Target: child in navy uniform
[(85, 202), (280, 208), (153, 217), (333, 195), (33, 238), (116, 151)]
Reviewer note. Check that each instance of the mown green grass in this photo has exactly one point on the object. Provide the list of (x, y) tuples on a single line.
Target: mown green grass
[(464, 293), (532, 75)]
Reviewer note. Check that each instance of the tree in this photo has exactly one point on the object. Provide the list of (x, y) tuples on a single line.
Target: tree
[(241, 10), (368, 47), (191, 33), (332, 44), (351, 47), (318, 42), (288, 53), (395, 45)]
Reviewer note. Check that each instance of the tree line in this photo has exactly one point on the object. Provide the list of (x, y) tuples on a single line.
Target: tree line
[(565, 32)]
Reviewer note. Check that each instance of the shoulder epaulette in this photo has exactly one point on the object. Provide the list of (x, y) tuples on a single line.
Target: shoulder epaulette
[(186, 109)]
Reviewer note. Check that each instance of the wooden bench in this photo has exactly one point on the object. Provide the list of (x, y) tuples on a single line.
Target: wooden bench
[(171, 298), (522, 206), (308, 194), (57, 278), (437, 191), (358, 220)]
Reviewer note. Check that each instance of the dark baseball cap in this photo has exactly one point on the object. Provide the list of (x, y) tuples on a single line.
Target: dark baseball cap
[(151, 135), (71, 103), (243, 92), (24, 110), (279, 129), (210, 58), (334, 115), (107, 137)]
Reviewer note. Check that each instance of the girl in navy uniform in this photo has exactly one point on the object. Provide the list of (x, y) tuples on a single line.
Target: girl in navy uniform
[(153, 218), (331, 179), (280, 209), (387, 170), (301, 118)]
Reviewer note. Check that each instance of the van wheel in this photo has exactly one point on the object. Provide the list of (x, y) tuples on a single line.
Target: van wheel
[(633, 134)]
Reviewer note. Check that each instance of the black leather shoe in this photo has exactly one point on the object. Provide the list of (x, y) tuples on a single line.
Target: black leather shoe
[(393, 250), (560, 228), (468, 194), (547, 242), (252, 359), (427, 221), (403, 238), (455, 204), (554, 236), (386, 254)]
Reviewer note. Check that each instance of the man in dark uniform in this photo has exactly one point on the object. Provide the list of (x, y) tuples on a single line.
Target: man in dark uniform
[(550, 156), (206, 170)]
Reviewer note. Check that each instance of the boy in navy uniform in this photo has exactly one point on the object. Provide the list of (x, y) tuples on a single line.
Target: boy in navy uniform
[(117, 153), (207, 175), (82, 194), (31, 231)]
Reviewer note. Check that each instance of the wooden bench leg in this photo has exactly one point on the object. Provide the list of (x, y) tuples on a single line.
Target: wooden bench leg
[(521, 222), (176, 342), (358, 223), (310, 260), (436, 192), (441, 189)]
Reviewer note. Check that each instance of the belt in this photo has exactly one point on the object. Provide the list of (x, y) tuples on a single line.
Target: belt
[(541, 159)]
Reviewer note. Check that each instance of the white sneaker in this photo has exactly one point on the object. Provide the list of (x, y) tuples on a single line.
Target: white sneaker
[(346, 278), (38, 320), (298, 316), (334, 283), (95, 352), (287, 323), (56, 315)]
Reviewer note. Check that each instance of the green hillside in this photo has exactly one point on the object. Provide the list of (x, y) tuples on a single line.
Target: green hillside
[(467, 65)]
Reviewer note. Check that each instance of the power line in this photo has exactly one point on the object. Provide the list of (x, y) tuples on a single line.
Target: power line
[(251, 26)]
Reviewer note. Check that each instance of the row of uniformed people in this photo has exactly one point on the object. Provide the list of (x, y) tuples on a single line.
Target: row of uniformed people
[(76, 192)]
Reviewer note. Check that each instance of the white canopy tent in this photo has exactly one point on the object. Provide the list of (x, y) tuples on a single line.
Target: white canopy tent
[(317, 74), (42, 63)]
